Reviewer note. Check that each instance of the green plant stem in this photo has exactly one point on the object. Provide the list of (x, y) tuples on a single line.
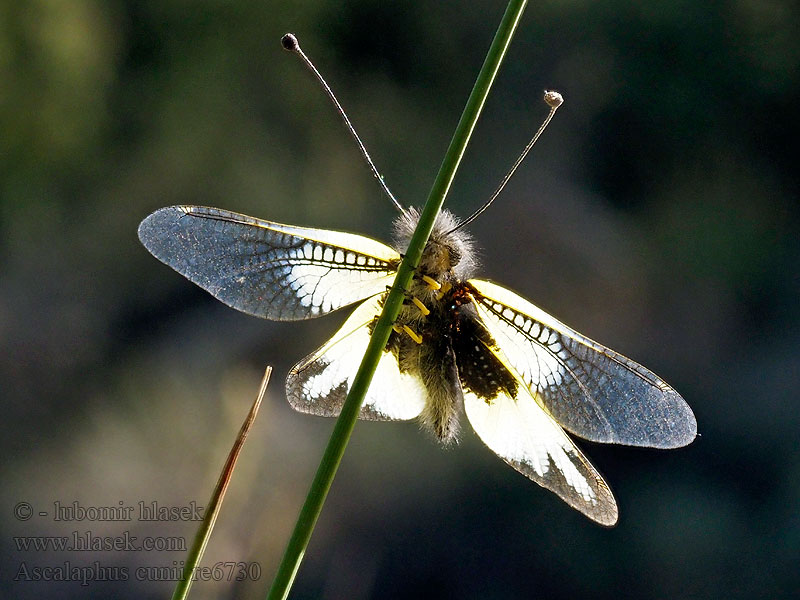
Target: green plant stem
[(344, 425), (215, 503)]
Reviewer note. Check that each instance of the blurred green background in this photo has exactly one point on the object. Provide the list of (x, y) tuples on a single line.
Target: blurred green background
[(659, 214)]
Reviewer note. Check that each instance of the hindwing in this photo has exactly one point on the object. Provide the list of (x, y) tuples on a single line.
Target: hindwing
[(518, 429), (319, 383)]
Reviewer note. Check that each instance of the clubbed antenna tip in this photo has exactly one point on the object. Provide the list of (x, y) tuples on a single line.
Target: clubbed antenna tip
[(289, 42), (553, 99)]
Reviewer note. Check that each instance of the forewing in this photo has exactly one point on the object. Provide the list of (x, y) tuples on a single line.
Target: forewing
[(520, 431), (319, 383), (589, 389), (267, 269)]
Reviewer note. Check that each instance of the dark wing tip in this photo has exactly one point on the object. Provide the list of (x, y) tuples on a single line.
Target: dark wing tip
[(676, 426), (609, 517), (604, 510), (667, 423), (153, 228)]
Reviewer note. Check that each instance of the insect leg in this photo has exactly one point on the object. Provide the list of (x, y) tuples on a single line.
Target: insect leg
[(422, 308), (432, 283)]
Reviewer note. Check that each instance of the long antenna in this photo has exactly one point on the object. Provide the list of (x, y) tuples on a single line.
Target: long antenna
[(553, 100), (290, 43)]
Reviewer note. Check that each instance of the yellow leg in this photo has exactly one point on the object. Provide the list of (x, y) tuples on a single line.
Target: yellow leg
[(412, 334), (432, 283), (422, 308)]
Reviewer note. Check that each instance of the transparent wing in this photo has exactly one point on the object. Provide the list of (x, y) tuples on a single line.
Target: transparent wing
[(590, 390), (319, 383), (521, 432), (267, 269)]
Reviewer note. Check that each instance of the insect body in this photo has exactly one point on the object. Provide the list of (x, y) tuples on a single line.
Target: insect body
[(459, 345)]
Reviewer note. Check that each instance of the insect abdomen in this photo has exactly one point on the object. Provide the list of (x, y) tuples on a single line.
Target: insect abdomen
[(479, 370)]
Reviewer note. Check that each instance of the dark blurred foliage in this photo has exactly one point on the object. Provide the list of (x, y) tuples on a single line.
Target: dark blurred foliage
[(659, 214)]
